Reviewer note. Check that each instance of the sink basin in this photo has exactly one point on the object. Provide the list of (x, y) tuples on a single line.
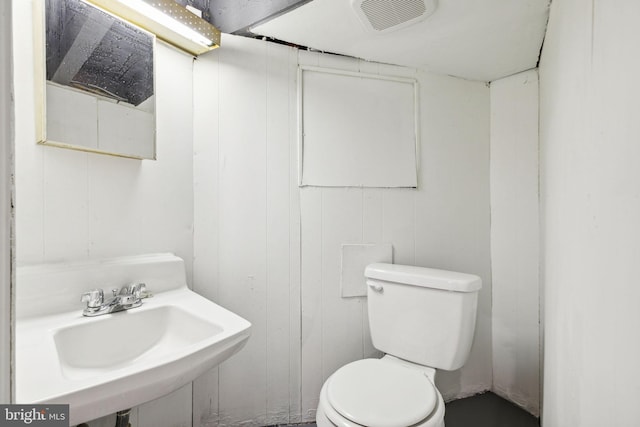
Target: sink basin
[(142, 336), (100, 365)]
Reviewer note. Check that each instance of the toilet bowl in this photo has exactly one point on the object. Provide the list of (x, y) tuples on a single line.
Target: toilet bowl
[(423, 319), (387, 392)]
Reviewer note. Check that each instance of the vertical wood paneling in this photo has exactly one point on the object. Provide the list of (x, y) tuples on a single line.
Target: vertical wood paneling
[(372, 214), (6, 210), (206, 125), (310, 280), (515, 239), (173, 410), (257, 229), (243, 228), (372, 228), (29, 159), (295, 254), (66, 228), (341, 330), (452, 207), (398, 224), (278, 239), (342, 317), (312, 299), (614, 115), (372, 232), (589, 132)]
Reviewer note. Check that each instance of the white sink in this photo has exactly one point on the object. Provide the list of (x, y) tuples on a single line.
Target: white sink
[(103, 364), (142, 336)]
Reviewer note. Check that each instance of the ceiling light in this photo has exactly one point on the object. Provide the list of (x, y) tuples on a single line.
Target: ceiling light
[(168, 20)]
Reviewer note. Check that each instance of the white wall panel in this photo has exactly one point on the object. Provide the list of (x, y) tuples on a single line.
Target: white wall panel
[(65, 204), (29, 178), (342, 317), (312, 315), (589, 151), (249, 188), (333, 324), (206, 217), (72, 205), (6, 190), (295, 256), (358, 129), (399, 224), (280, 77), (353, 261), (173, 410), (247, 205), (242, 244), (372, 230), (452, 208), (515, 239)]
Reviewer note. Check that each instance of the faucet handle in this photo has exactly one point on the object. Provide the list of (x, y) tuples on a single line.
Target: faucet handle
[(94, 298), (138, 289)]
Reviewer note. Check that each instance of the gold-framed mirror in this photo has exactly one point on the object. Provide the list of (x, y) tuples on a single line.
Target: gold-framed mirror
[(95, 81)]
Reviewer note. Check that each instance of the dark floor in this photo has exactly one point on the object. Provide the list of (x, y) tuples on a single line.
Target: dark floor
[(483, 410), (487, 410)]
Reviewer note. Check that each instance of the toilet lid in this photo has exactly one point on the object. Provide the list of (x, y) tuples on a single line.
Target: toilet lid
[(373, 392)]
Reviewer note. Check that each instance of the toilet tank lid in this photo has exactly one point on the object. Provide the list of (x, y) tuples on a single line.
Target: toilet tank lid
[(425, 277)]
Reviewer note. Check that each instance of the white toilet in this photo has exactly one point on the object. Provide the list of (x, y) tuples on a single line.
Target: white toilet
[(422, 319)]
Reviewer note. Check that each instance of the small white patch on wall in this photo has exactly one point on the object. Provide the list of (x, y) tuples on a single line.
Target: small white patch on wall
[(356, 130), (355, 258)]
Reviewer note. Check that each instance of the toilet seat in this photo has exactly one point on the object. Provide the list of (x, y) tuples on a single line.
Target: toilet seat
[(374, 392)]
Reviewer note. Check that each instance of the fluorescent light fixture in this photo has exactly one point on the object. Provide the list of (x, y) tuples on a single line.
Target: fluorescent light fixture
[(168, 20)]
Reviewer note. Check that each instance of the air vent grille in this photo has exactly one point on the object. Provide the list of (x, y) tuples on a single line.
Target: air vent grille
[(386, 15)]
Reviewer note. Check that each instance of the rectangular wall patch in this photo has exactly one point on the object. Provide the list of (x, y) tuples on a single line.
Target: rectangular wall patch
[(355, 258)]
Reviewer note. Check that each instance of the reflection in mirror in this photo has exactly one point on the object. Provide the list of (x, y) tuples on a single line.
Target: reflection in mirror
[(99, 81)]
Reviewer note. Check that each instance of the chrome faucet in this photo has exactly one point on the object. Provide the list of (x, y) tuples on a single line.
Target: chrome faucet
[(125, 298)]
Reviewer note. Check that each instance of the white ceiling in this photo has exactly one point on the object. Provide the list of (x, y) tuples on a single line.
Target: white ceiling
[(473, 39)]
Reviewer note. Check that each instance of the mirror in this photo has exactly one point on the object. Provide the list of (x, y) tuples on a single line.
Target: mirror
[(98, 90)]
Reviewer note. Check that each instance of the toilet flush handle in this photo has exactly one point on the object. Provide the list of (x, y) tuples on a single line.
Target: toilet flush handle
[(376, 287)]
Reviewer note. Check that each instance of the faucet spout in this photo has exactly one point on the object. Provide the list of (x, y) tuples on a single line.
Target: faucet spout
[(128, 297)]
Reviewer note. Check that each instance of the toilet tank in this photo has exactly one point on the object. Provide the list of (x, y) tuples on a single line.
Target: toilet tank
[(422, 315)]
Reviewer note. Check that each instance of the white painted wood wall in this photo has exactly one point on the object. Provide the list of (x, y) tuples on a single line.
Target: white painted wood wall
[(515, 234), (271, 252), (590, 193), (6, 187), (247, 228)]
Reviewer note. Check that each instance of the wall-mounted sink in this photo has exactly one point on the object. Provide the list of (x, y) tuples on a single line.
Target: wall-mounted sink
[(100, 365), (93, 346)]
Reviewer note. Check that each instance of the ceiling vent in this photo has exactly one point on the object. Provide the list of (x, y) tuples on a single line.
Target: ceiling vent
[(389, 15)]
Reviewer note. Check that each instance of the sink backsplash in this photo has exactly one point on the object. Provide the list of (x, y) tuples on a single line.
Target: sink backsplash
[(45, 289)]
